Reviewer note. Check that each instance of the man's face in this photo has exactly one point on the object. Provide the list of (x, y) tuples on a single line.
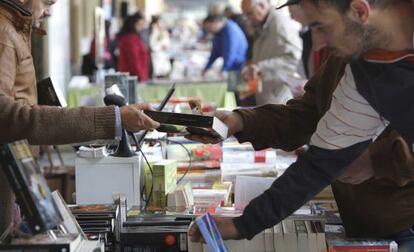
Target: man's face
[(140, 25), (343, 36), (256, 14), (41, 9)]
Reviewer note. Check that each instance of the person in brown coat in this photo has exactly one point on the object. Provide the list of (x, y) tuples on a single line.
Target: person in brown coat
[(22, 118)]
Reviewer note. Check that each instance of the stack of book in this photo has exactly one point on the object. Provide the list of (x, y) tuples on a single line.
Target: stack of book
[(342, 245), (161, 183), (97, 222), (327, 208), (242, 159), (204, 169), (337, 241), (216, 196), (295, 234)]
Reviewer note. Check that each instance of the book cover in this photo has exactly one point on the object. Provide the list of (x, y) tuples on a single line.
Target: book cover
[(95, 209), (302, 234), (50, 94), (290, 238), (30, 187), (164, 181), (339, 245)]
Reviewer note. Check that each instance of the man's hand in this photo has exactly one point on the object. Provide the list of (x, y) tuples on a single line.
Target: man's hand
[(359, 170), (224, 224), (134, 119), (233, 121), (298, 90), (251, 72)]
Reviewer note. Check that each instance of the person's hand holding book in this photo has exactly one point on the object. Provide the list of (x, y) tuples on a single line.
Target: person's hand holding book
[(251, 72), (134, 119), (224, 224), (232, 120)]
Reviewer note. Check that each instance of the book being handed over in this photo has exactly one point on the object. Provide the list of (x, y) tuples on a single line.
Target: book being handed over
[(189, 124)]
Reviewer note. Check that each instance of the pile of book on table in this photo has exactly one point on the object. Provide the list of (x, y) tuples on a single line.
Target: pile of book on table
[(242, 160), (295, 234), (98, 222)]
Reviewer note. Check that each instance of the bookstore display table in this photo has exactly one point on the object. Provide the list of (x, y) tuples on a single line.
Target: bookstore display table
[(214, 92)]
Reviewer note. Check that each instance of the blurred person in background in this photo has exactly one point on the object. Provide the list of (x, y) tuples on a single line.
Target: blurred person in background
[(277, 50), (133, 53), (89, 61), (312, 59), (160, 47), (296, 13), (229, 42), (240, 20)]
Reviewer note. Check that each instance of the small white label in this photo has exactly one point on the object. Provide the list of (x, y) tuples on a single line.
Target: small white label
[(183, 242)]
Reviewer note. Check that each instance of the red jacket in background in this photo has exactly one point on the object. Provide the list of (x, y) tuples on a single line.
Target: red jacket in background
[(133, 56)]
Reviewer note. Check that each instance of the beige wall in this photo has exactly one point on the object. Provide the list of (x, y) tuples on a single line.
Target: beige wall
[(81, 20), (81, 26), (236, 4), (151, 7)]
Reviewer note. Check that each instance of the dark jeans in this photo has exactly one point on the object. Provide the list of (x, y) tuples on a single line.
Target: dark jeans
[(405, 240)]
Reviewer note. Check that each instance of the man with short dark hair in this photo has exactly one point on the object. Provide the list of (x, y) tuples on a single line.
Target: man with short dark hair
[(364, 88)]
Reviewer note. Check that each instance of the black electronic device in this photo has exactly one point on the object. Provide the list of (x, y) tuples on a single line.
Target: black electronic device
[(124, 147)]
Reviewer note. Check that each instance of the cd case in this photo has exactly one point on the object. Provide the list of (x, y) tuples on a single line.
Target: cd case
[(189, 124), (211, 234)]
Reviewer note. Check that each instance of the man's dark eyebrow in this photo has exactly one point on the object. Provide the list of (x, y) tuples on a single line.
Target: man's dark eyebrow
[(313, 24)]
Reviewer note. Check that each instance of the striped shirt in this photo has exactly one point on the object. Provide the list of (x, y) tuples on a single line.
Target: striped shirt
[(350, 119)]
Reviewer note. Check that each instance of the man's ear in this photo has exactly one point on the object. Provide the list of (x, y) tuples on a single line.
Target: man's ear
[(27, 4), (359, 10)]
